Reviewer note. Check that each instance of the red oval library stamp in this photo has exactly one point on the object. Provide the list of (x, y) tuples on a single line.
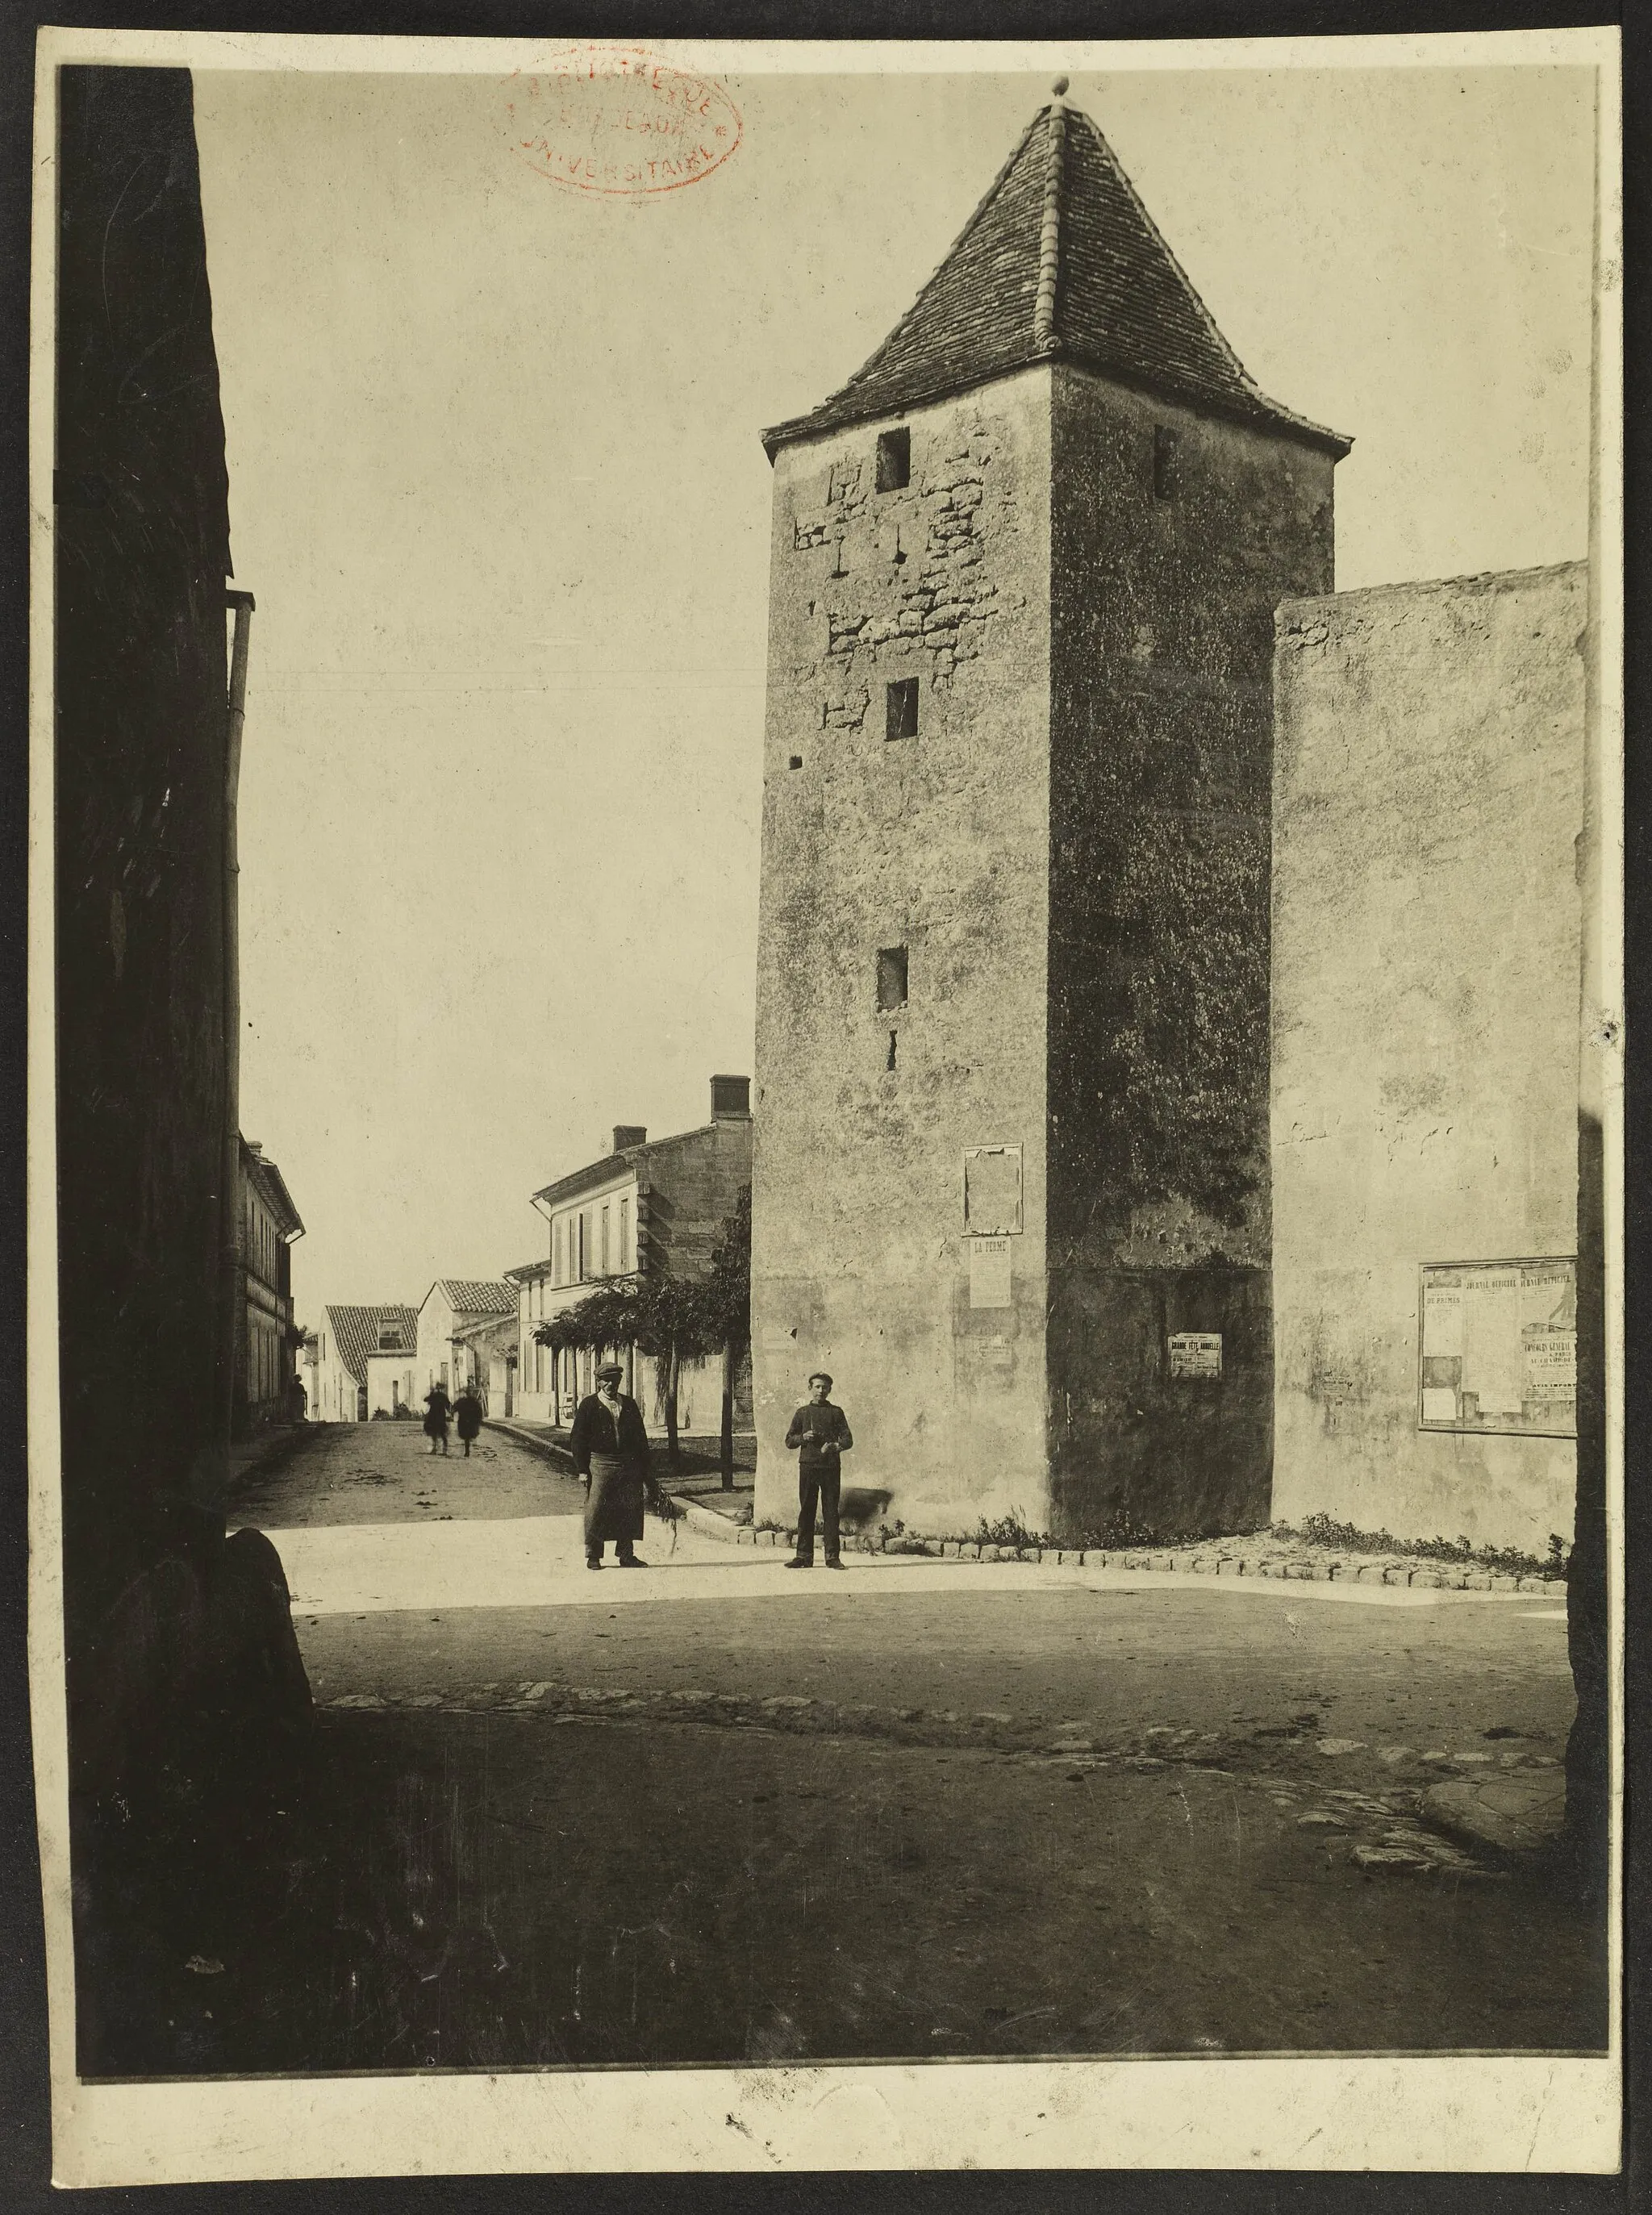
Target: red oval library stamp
[(619, 122)]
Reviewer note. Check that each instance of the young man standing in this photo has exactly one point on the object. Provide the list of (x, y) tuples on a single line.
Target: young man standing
[(820, 1436)]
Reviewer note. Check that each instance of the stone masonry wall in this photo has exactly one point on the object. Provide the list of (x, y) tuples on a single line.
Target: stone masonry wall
[(690, 1189), (937, 844), (1425, 1001), (1166, 574)]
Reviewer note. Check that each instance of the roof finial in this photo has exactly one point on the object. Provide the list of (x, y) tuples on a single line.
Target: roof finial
[(1059, 87)]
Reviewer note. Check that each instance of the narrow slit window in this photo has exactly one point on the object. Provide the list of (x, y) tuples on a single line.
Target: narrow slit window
[(890, 1063), (795, 762), (892, 978), (900, 709), (1165, 470), (895, 460)]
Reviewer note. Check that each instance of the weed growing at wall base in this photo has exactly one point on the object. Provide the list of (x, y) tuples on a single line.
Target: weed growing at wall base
[(1324, 1531)]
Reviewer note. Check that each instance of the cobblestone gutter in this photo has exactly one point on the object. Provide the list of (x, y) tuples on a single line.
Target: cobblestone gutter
[(1374, 1829)]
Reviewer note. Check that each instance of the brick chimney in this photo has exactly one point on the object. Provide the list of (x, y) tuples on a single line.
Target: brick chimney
[(629, 1134), (731, 1099)]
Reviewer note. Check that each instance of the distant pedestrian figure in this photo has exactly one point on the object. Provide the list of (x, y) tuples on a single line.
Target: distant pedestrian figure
[(439, 1410), (611, 1459), (820, 1435), (467, 1410)]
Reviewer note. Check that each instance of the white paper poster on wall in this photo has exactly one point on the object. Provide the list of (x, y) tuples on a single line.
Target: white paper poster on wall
[(993, 1191), (989, 1273), (1499, 1346)]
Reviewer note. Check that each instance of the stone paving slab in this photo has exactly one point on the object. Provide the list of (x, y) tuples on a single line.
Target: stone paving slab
[(1513, 1814)]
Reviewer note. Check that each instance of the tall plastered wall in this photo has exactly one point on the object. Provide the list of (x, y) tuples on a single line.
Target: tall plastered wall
[(1427, 796), (1175, 535), (937, 844)]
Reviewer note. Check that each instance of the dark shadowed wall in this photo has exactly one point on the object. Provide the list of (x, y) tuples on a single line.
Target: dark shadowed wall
[(1174, 534), (142, 727)]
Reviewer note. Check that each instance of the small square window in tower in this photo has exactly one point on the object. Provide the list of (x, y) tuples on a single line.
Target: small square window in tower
[(892, 977), (900, 709), (1165, 470), (894, 459)]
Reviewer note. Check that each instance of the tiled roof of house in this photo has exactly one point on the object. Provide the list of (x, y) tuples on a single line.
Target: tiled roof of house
[(271, 1186), (596, 1173), (501, 1329), (1060, 262), (477, 1296), (590, 1174), (356, 1333)]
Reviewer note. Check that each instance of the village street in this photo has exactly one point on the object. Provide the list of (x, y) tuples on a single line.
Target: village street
[(718, 1811)]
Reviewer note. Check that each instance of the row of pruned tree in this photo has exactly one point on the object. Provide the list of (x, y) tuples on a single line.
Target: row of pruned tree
[(673, 1320)]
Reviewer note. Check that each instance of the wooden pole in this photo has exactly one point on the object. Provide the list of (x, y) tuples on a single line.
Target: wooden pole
[(725, 1444)]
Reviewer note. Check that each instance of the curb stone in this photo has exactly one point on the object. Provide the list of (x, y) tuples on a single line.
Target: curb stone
[(1276, 1567)]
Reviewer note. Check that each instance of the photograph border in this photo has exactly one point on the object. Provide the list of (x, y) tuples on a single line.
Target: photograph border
[(1373, 2112)]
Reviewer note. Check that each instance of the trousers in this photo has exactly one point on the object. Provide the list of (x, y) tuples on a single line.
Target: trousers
[(821, 1482)]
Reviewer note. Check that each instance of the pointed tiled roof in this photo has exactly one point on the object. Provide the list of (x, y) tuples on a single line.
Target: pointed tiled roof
[(356, 1331), (1060, 262)]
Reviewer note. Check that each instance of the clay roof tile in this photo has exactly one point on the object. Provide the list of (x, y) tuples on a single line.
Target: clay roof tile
[(1059, 261)]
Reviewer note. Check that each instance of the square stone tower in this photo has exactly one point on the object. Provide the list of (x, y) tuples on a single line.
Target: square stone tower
[(1010, 1174)]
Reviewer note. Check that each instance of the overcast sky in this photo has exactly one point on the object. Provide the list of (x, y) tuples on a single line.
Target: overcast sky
[(496, 483)]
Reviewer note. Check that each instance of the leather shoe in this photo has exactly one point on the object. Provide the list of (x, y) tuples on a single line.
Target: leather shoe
[(632, 1561), (834, 1565), (590, 1564), (795, 1564)]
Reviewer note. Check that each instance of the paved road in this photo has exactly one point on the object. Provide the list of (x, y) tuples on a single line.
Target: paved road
[(355, 1474), (997, 1807)]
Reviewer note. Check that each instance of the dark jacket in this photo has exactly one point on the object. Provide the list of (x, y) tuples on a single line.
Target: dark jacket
[(468, 1408), (821, 1433), (596, 1432), (438, 1409)]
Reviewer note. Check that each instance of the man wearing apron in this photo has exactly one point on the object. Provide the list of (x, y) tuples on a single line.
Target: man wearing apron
[(611, 1459)]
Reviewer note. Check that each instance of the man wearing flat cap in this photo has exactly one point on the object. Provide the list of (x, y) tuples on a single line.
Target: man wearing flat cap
[(611, 1459), (819, 1436)]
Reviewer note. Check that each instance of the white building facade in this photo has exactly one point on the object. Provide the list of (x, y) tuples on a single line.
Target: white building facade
[(646, 1206), (450, 1306), (363, 1364)]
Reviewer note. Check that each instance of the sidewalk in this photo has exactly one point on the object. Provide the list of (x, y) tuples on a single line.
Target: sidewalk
[(1263, 1554), (264, 1451), (367, 1569), (699, 1465), (1259, 1554)]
